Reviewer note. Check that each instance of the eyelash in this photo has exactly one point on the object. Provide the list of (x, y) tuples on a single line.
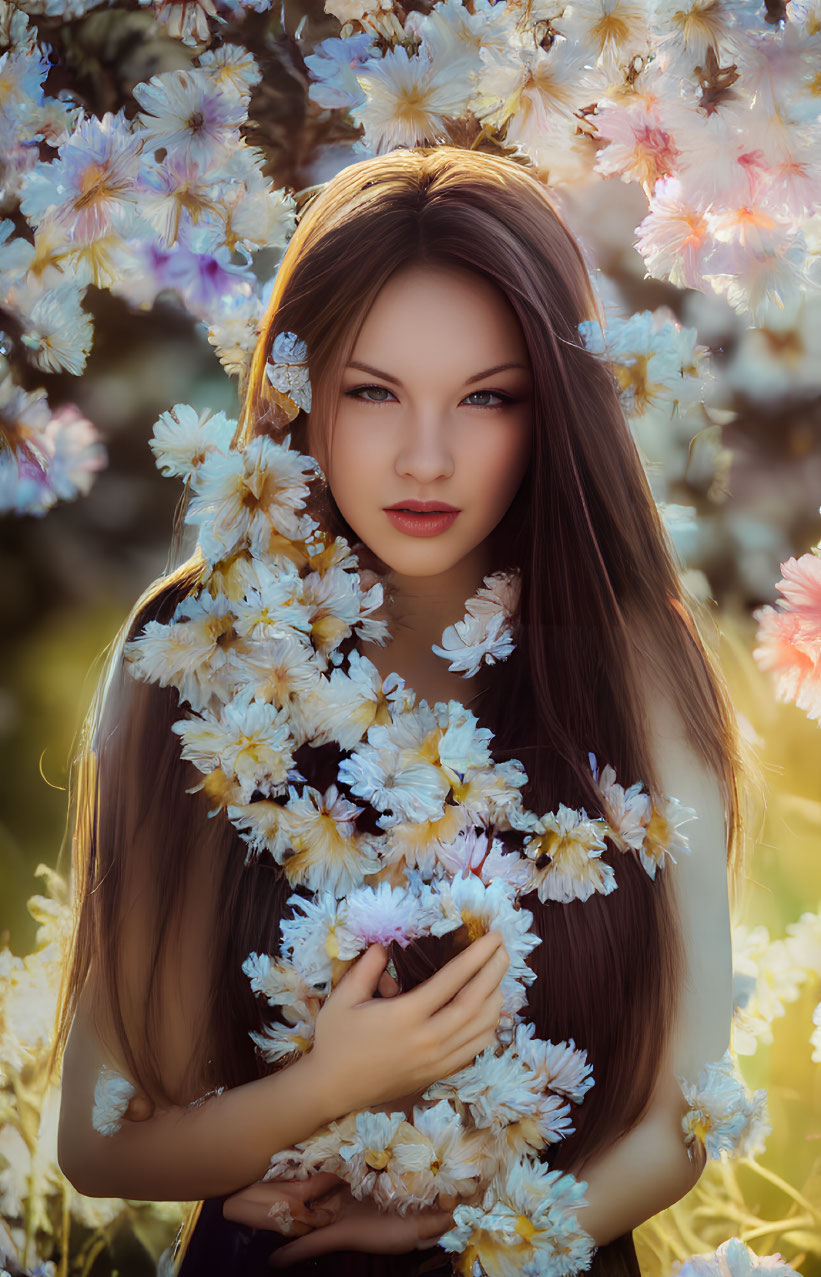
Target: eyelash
[(505, 399)]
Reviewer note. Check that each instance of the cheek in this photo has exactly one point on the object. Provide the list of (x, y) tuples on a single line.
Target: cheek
[(500, 463), (355, 466)]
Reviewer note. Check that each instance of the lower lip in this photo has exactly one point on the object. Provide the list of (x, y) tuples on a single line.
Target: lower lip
[(421, 525)]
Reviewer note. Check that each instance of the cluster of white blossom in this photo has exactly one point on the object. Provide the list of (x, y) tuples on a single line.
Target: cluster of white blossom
[(173, 199), (769, 974), (257, 654), (713, 111)]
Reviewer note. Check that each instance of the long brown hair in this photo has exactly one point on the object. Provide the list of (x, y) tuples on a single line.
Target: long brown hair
[(594, 555)]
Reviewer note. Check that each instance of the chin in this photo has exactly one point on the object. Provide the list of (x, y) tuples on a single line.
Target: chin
[(419, 565)]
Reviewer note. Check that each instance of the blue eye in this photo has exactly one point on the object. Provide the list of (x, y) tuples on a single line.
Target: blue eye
[(503, 399), (358, 393)]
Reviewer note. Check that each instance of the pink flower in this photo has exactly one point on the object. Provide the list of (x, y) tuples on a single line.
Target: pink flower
[(674, 238), (641, 146), (789, 637)]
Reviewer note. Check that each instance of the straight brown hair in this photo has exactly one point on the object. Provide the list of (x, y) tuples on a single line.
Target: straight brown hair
[(595, 557)]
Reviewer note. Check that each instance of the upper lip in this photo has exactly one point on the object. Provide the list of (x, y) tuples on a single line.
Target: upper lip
[(423, 507)]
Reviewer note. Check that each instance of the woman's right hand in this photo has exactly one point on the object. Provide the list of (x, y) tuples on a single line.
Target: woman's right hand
[(370, 1050)]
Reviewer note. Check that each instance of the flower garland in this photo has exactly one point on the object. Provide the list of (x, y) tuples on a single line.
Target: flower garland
[(256, 653)]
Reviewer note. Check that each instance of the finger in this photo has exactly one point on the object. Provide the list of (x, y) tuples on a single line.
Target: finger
[(465, 1055), (472, 997), (317, 1242), (438, 989), (359, 982), (270, 1216), (388, 987), (430, 1227), (484, 1029), (311, 1189)]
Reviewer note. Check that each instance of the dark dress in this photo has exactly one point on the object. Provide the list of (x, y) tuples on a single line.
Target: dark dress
[(221, 1248)]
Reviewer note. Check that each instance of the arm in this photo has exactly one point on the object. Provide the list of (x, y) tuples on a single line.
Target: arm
[(363, 1047), (181, 1153), (643, 1173), (649, 1168)]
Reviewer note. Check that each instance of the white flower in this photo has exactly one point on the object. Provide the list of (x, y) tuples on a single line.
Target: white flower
[(368, 1149), (417, 845), (332, 65), (498, 1088), (653, 358), (90, 189), (320, 1152), (249, 497), (469, 852), (308, 938), (766, 976), (628, 810), (733, 1258), (675, 238), (278, 1041), (192, 652), (248, 739), (335, 603), (453, 34), (463, 744), (384, 915), (189, 114), (804, 936), (614, 30), (284, 986), (561, 1066), (436, 1155), (325, 853), (815, 1036), (565, 850), (484, 634), (343, 706), (256, 216), (272, 606), (287, 369), (394, 779), (723, 1115), (661, 834), (262, 824), (60, 333), (407, 99), (480, 908), (112, 1093), (285, 672), (526, 1224), (182, 437)]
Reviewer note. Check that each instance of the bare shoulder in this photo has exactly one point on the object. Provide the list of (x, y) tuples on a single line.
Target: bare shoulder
[(700, 873)]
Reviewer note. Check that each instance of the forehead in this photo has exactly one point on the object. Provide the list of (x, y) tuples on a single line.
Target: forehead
[(443, 313)]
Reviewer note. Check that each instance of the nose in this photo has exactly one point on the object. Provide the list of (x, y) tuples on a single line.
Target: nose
[(424, 453)]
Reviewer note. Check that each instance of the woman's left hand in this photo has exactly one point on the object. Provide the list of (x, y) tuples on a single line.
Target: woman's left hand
[(336, 1221)]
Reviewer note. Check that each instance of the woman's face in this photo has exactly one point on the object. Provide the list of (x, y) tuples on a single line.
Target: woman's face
[(433, 417)]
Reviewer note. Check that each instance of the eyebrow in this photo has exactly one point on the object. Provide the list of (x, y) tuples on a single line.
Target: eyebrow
[(386, 376)]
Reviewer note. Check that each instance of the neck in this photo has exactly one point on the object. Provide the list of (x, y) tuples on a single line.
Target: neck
[(418, 610), (421, 607)]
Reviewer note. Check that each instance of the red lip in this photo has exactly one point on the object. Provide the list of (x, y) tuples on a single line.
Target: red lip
[(423, 507)]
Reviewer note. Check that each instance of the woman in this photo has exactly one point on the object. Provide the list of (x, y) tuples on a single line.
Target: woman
[(438, 295)]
